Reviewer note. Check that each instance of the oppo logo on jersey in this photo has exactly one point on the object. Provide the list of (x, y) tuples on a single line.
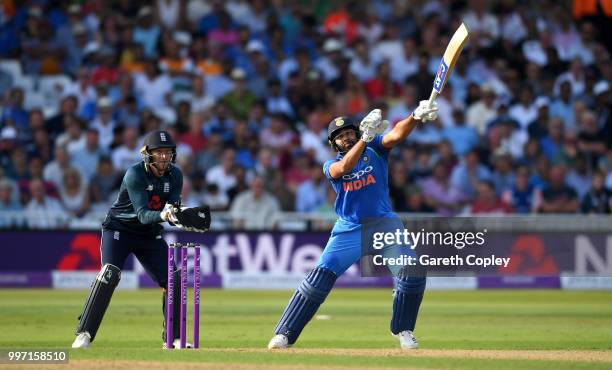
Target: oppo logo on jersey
[(359, 179)]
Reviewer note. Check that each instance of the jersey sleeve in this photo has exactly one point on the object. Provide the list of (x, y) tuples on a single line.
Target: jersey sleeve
[(136, 188), (177, 186), (326, 166), (376, 145)]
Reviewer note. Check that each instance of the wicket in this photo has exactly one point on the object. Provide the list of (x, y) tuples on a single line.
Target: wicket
[(183, 294)]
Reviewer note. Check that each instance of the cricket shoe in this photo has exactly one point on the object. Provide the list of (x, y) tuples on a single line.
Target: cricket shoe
[(407, 340), (279, 341), (177, 344), (83, 340)]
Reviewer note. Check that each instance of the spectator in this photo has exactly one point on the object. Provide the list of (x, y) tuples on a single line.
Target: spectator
[(73, 192), (563, 106), (312, 193), (598, 199), (9, 196), (104, 122), (415, 201), (487, 202), (43, 212), (483, 110), (129, 153), (277, 135), (538, 127), (503, 177), (255, 208), (439, 194), (103, 182), (558, 197), (553, 141), (54, 170), (73, 138), (466, 174), (240, 100), (523, 197), (463, 138), (14, 114), (222, 175), (86, 158)]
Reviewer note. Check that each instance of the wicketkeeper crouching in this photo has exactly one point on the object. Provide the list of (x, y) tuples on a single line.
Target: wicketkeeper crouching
[(150, 193)]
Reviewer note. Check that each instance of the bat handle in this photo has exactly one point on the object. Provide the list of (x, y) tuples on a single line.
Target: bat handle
[(432, 97)]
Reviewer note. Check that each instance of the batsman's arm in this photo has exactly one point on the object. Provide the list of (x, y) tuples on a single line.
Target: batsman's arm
[(399, 133), (348, 162), (136, 186)]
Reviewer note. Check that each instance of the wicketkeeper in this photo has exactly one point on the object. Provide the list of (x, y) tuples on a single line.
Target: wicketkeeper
[(359, 176), (150, 193)]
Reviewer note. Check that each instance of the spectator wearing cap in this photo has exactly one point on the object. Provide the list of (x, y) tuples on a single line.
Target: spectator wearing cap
[(482, 111), (146, 32), (104, 122), (466, 174), (523, 197), (87, 157), (558, 197), (463, 138), (329, 61), (255, 208), (240, 100), (598, 199), (43, 212), (153, 87)]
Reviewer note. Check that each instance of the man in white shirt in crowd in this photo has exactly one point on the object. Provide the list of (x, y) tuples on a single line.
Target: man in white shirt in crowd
[(255, 208)]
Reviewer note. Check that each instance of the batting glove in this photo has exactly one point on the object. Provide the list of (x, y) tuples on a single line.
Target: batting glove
[(425, 112)]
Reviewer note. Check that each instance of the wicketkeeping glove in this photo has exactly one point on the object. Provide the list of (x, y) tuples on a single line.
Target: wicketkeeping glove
[(426, 113), (194, 219)]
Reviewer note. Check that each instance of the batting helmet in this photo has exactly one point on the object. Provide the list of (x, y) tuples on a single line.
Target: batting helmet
[(338, 125)]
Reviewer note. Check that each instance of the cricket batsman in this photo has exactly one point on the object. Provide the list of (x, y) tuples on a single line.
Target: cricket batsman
[(150, 193), (359, 176)]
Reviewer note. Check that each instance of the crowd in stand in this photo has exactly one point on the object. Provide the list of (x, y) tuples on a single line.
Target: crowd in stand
[(247, 88)]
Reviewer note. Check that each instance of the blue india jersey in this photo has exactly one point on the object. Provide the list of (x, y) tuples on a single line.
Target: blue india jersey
[(364, 192)]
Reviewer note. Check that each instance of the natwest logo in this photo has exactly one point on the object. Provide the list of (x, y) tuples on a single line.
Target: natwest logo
[(358, 179)]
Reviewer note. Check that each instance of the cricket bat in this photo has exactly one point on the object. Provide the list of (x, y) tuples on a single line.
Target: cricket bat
[(451, 54)]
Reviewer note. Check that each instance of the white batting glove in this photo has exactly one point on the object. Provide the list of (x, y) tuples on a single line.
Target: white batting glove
[(373, 118), (426, 113)]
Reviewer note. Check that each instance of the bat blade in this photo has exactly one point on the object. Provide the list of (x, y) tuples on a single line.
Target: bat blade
[(451, 54)]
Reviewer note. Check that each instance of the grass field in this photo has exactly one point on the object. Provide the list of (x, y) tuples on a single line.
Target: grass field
[(471, 330)]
